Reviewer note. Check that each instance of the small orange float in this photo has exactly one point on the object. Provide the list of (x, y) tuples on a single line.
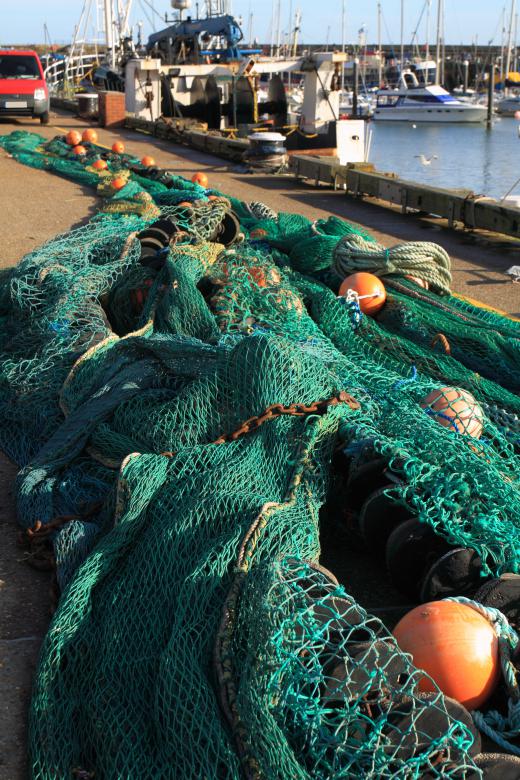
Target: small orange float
[(100, 165), (147, 161), (456, 409), (89, 136), (118, 184), (200, 178), (79, 150), (417, 280), (118, 147), (456, 646), (73, 138), (370, 291)]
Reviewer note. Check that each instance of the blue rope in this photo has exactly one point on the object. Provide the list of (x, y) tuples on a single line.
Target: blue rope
[(403, 382), (498, 727)]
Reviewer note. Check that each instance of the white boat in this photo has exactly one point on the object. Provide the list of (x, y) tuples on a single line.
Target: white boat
[(508, 106), (411, 102)]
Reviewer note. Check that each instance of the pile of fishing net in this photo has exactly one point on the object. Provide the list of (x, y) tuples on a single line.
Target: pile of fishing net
[(189, 400)]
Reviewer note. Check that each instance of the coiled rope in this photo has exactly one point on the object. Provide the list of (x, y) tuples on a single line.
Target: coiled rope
[(421, 259), (498, 727)]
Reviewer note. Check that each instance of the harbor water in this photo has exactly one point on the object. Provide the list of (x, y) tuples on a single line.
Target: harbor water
[(468, 156)]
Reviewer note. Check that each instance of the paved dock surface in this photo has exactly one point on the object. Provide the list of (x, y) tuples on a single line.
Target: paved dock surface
[(35, 206)]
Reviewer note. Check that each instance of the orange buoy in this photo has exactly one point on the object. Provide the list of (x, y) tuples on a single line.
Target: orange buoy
[(73, 138), (200, 178), (455, 409), (100, 165), (147, 161), (456, 646), (79, 149), (185, 204), (119, 183), (417, 280), (118, 147), (89, 136), (370, 291), (213, 197)]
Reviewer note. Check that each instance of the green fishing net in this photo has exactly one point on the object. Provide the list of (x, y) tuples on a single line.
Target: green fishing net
[(175, 427)]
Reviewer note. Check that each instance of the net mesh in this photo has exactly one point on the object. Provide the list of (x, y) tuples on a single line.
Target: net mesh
[(175, 425)]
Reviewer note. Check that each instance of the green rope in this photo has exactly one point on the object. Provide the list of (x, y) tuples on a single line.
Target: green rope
[(421, 259)]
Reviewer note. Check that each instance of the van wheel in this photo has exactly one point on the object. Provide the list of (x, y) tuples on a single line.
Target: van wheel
[(44, 118)]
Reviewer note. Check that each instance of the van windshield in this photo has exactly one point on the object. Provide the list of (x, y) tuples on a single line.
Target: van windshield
[(18, 66)]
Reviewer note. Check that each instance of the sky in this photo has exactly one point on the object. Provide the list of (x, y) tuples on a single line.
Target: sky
[(466, 20)]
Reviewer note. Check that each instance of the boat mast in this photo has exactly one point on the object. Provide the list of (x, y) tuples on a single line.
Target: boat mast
[(502, 43), (515, 44), (109, 32), (272, 28), (296, 31), (278, 27), (402, 35), (438, 44), (428, 7), (343, 43), (509, 39), (380, 63)]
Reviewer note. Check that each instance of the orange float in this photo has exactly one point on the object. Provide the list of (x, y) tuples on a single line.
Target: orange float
[(417, 280), (200, 178), (456, 646), (147, 161), (370, 290), (118, 147), (89, 136), (73, 138), (100, 165), (456, 409), (79, 150), (118, 184)]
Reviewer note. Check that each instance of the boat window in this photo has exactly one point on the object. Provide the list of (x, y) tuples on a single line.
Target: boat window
[(387, 100), (17, 66)]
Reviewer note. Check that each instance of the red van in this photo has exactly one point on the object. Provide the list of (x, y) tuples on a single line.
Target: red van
[(23, 91)]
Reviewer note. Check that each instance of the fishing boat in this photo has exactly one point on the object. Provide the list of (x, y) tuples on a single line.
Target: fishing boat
[(411, 102)]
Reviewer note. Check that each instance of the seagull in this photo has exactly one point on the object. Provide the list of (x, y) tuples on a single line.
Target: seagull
[(514, 273), (414, 127), (426, 160)]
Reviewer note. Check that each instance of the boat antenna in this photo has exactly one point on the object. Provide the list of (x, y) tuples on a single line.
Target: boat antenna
[(438, 45), (402, 35), (379, 52), (509, 40), (343, 42), (428, 7)]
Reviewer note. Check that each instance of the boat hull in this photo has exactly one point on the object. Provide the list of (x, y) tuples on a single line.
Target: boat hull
[(453, 114)]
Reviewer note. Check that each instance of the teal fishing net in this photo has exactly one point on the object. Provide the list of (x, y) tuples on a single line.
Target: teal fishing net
[(178, 425)]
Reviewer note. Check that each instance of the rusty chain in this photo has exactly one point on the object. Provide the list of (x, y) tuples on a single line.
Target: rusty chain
[(277, 410)]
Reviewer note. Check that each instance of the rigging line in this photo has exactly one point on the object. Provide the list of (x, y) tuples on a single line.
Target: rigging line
[(414, 35), (145, 12), (156, 12), (386, 26)]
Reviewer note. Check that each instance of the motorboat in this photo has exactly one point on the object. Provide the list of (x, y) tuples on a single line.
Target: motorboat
[(413, 102), (364, 105), (508, 106)]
